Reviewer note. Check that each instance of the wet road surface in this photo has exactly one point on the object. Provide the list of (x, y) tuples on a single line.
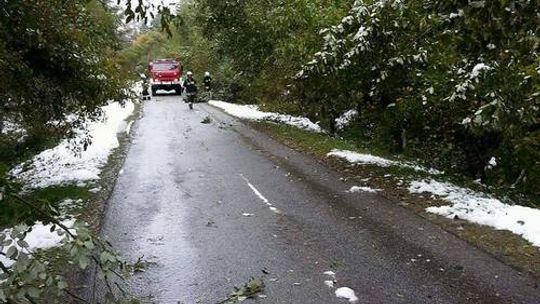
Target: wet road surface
[(211, 205)]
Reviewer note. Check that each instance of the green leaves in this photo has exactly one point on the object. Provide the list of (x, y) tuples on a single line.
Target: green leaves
[(130, 14), (34, 292), (30, 275), (12, 253), (83, 262), (37, 274), (248, 291)]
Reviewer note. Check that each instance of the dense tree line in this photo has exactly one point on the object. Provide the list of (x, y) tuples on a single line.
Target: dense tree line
[(455, 83)]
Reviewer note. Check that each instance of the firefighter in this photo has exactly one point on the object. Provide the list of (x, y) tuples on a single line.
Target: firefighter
[(190, 86), (207, 81), (145, 87)]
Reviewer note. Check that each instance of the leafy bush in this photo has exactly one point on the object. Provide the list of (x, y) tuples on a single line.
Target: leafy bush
[(458, 79)]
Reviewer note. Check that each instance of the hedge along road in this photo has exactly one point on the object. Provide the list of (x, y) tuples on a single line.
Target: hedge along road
[(210, 205)]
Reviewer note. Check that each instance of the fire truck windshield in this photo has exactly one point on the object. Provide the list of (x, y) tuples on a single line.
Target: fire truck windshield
[(164, 67)]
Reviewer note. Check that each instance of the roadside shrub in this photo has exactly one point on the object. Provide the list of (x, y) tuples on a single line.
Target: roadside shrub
[(457, 79)]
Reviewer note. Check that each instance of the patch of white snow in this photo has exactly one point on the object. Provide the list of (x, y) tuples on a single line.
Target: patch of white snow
[(128, 128), (330, 273), (482, 209), (61, 165), (40, 237), (346, 293), (329, 283), (9, 127), (345, 119), (252, 112), (354, 157), (477, 69), (361, 158), (356, 189)]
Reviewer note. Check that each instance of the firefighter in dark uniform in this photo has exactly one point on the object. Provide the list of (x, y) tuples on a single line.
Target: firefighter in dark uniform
[(190, 86), (207, 81)]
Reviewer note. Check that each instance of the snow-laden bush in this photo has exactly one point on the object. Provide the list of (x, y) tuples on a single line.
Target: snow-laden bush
[(455, 80)]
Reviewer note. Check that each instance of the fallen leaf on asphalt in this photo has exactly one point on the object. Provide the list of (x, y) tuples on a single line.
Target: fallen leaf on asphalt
[(248, 291)]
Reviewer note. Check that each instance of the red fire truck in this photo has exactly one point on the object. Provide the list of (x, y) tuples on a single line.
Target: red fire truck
[(165, 74)]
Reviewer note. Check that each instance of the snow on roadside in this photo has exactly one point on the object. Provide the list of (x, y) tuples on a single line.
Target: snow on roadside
[(40, 237), (60, 165), (252, 112), (361, 158), (356, 189), (479, 208)]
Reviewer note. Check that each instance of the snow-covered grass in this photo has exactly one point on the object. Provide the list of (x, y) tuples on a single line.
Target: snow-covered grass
[(61, 165), (252, 112), (482, 209), (40, 237), (362, 158)]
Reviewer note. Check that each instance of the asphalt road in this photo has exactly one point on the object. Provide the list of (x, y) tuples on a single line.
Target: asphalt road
[(211, 205)]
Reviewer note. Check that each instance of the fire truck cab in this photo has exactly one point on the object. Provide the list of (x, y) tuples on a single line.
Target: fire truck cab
[(165, 74)]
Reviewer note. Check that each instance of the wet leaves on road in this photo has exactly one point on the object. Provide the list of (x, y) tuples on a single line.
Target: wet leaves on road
[(211, 223), (140, 266), (248, 291)]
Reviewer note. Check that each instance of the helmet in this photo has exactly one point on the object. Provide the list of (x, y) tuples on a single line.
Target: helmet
[(189, 73), (207, 74)]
